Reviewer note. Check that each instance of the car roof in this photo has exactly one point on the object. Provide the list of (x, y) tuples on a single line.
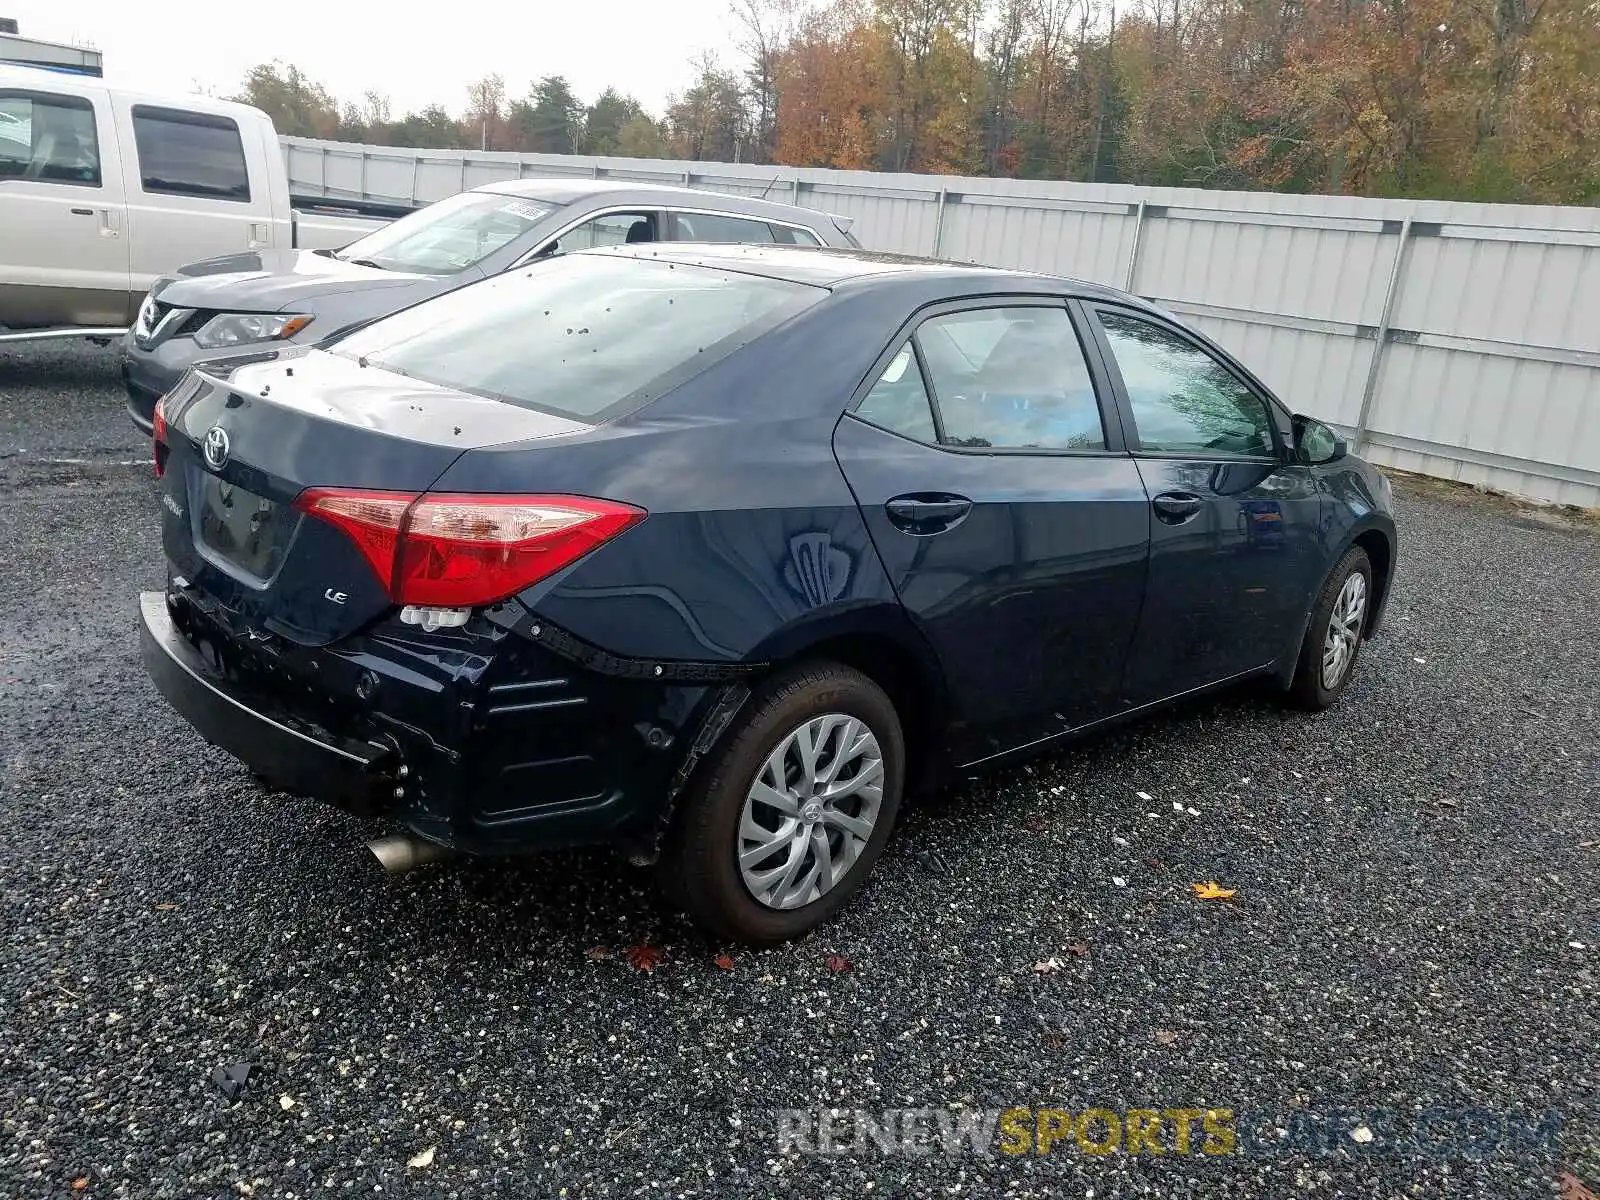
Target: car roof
[(570, 191), (836, 268)]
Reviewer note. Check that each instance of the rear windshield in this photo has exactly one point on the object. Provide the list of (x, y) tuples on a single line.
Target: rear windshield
[(587, 336), (450, 236)]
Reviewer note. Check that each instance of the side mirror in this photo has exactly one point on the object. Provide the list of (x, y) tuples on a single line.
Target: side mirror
[(1315, 443)]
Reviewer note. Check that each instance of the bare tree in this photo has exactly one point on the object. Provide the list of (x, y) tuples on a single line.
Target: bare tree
[(375, 108), (486, 106), (765, 26)]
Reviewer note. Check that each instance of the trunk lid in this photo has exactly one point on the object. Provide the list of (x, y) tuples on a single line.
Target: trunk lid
[(248, 434)]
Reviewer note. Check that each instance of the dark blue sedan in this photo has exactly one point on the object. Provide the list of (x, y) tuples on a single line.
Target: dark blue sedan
[(714, 553)]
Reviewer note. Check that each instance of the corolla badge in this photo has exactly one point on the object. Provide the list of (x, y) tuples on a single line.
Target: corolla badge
[(215, 447)]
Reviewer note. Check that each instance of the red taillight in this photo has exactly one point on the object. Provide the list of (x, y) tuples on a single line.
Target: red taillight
[(463, 551), (158, 438)]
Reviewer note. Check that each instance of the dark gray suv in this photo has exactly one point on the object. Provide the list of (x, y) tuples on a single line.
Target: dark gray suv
[(267, 298)]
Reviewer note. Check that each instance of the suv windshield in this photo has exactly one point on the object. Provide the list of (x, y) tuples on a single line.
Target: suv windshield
[(448, 236), (585, 336)]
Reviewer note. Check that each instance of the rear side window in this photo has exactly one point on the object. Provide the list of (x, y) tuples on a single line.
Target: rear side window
[(48, 139), (709, 227), (585, 336), (899, 400), (791, 235), (189, 154), (1011, 378)]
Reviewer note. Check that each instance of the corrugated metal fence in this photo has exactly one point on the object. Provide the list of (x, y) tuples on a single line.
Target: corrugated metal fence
[(1458, 340)]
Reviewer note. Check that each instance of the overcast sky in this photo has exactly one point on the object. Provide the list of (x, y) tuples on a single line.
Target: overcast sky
[(416, 53)]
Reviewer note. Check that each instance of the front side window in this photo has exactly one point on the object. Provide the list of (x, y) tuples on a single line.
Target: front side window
[(585, 336), (189, 154), (48, 138), (448, 236), (1184, 399), (1011, 378), (613, 229), (712, 227)]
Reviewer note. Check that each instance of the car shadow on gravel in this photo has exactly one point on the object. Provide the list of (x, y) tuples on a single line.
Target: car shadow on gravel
[(523, 909)]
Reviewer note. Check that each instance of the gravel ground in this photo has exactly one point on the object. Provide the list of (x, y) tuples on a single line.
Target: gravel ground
[(1416, 925)]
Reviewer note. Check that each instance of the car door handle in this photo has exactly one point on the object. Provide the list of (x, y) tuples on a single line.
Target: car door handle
[(83, 212), (924, 513), (1176, 507)]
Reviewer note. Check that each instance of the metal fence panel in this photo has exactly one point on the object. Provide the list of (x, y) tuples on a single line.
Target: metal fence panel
[(1453, 339)]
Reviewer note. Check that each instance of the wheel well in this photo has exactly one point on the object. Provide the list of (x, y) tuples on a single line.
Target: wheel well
[(1381, 555), (916, 695)]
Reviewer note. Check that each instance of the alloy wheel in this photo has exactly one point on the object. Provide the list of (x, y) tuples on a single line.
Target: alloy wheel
[(810, 811), (1344, 630)]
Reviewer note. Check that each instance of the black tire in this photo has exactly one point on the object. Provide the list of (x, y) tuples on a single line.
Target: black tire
[(700, 866), (1310, 690)]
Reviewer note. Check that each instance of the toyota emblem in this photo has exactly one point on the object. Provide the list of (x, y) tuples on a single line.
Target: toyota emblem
[(215, 447)]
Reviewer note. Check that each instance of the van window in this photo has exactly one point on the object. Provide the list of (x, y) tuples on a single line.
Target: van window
[(189, 154), (48, 138)]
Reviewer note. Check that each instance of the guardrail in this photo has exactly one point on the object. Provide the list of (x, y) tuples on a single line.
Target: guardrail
[(1455, 340)]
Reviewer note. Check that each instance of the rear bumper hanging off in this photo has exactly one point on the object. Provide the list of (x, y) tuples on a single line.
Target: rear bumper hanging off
[(354, 776)]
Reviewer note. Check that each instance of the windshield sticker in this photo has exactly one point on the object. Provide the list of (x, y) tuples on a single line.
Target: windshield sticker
[(521, 208)]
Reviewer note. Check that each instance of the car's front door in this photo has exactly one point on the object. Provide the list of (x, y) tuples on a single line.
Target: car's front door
[(1012, 524), (1235, 521), (63, 253)]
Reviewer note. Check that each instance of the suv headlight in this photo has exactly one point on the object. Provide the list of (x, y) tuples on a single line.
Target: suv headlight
[(239, 329)]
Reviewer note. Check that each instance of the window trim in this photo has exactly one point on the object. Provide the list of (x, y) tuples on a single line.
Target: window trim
[(1093, 308), (187, 116), (661, 212), (62, 100), (1110, 420)]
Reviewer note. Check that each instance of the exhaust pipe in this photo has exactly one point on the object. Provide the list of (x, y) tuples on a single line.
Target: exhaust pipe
[(400, 852)]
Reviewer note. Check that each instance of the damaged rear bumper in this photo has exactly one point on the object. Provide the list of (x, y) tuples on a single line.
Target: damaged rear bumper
[(352, 775)]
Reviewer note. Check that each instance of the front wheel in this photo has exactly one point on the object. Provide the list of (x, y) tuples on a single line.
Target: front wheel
[(1333, 635), (791, 812)]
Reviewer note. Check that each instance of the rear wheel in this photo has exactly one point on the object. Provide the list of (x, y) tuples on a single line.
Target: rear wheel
[(1333, 635), (790, 813)]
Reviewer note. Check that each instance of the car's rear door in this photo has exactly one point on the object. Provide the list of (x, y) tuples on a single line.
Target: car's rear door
[(196, 185), (1012, 522), (1235, 521)]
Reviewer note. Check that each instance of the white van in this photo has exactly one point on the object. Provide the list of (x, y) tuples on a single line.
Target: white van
[(103, 190)]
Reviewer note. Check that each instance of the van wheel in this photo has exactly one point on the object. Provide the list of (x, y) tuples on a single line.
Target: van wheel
[(791, 811), (1333, 635)]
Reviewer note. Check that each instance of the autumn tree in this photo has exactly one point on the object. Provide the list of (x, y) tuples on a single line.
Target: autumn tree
[(831, 89), (1474, 99)]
